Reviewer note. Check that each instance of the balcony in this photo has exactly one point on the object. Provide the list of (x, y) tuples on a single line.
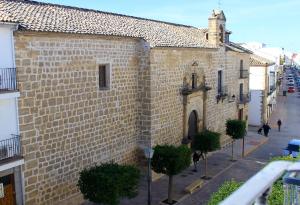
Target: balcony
[(222, 93), (8, 80), (187, 89), (244, 98), (256, 189), (10, 148), (244, 74)]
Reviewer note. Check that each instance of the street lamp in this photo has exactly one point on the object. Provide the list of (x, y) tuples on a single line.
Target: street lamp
[(149, 154)]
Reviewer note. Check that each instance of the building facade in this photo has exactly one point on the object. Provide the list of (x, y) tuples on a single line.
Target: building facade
[(105, 88), (262, 88)]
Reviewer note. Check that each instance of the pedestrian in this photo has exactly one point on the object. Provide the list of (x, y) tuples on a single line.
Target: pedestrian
[(259, 131), (279, 124), (266, 129), (196, 158)]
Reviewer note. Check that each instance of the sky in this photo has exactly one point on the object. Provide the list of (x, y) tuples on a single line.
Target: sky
[(273, 22)]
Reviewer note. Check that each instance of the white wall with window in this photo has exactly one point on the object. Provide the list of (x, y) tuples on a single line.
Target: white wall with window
[(8, 85)]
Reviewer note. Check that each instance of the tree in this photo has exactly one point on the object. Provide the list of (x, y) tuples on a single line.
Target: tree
[(237, 130), (206, 141), (108, 182), (170, 160)]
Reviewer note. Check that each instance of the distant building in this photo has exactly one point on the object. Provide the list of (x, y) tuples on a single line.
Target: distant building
[(262, 84)]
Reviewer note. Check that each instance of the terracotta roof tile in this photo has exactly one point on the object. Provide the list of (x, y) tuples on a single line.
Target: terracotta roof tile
[(37, 16), (256, 60)]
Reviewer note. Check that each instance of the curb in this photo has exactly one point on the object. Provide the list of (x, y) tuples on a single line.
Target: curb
[(263, 141)]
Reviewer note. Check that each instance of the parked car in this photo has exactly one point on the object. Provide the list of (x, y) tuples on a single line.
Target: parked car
[(293, 148), (291, 89)]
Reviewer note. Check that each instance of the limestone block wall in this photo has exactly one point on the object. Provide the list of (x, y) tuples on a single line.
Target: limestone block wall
[(66, 122), (168, 68)]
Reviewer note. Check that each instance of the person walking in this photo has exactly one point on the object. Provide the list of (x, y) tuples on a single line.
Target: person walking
[(279, 124), (266, 129)]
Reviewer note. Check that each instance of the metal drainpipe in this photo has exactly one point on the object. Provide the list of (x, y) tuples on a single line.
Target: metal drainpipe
[(204, 105), (265, 106)]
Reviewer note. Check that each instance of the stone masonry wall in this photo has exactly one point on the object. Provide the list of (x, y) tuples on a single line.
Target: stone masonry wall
[(66, 122), (168, 68)]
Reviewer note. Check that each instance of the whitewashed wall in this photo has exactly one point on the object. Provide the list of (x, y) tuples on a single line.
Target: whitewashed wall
[(8, 101), (257, 78), (255, 108), (8, 118), (6, 48)]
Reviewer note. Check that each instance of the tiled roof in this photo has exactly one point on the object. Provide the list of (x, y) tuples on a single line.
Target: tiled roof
[(256, 60), (37, 16), (236, 47)]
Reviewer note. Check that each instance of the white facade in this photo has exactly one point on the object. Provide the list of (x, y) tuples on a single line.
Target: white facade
[(257, 78), (255, 108), (8, 100), (262, 84), (7, 47), (10, 145)]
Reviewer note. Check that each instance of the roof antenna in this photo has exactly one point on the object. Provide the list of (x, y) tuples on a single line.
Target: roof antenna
[(219, 4)]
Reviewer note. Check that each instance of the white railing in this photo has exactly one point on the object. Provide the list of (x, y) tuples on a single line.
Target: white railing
[(256, 189)]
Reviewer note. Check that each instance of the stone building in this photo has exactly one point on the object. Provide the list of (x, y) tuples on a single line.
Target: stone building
[(96, 86)]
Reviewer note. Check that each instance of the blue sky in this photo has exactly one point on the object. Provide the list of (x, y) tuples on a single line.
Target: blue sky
[(274, 22)]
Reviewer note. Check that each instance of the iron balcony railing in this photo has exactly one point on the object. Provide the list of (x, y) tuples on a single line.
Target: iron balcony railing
[(10, 148), (223, 91), (244, 98), (8, 79), (244, 73)]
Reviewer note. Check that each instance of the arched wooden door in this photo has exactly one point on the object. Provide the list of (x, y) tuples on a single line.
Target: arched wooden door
[(193, 125)]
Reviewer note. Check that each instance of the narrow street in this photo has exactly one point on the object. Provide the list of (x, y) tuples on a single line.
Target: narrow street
[(288, 111)]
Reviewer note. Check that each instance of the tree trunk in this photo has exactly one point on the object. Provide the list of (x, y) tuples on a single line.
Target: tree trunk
[(205, 164), (170, 199), (232, 150), (243, 152)]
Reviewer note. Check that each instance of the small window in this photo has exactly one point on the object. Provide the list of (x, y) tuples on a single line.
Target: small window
[(241, 65), (220, 81), (104, 76), (194, 81), (206, 35)]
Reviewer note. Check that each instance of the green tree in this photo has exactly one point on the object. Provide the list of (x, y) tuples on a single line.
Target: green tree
[(108, 183), (206, 141), (236, 129), (170, 160)]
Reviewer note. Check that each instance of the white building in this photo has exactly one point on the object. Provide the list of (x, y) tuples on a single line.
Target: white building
[(10, 149), (262, 86)]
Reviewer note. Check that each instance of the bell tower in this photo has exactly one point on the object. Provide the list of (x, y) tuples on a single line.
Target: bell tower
[(216, 28)]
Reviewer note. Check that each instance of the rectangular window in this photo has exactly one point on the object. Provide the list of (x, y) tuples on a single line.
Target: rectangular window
[(104, 76), (220, 81), (241, 65), (241, 91), (194, 81)]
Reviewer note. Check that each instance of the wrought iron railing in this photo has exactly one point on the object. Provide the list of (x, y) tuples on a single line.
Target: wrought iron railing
[(222, 93), (244, 73), (244, 98), (8, 79), (10, 147)]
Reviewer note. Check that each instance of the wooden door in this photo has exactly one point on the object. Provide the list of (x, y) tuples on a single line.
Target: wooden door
[(9, 190)]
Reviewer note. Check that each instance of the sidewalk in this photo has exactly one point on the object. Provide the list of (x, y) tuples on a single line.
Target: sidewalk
[(218, 162)]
